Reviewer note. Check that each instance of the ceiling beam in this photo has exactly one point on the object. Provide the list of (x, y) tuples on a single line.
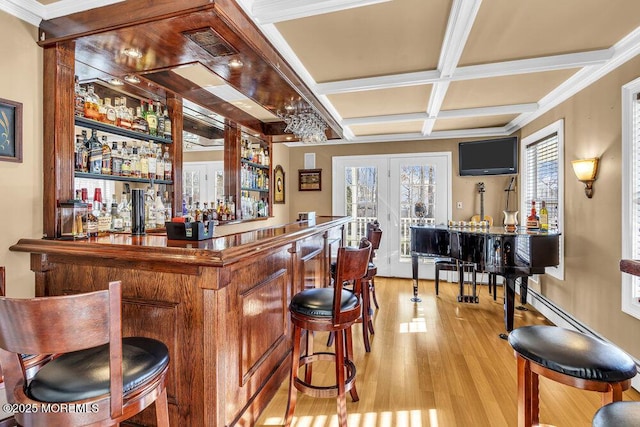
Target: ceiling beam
[(272, 11), (496, 69)]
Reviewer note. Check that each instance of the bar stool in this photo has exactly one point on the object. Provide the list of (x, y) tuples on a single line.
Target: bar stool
[(374, 235), (105, 378), (570, 358), (618, 414), (332, 310)]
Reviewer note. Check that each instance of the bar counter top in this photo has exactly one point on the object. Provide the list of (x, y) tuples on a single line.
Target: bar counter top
[(217, 251)]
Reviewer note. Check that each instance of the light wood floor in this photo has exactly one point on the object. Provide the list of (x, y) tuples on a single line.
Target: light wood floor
[(437, 363)]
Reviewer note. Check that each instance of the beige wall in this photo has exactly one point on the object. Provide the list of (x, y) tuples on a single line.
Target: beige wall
[(465, 189), (591, 291), (21, 183)]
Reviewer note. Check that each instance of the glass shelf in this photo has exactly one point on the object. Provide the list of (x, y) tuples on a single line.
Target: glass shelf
[(121, 178), (104, 127)]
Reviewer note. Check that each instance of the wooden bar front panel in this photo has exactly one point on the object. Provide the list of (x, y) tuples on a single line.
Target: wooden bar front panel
[(226, 327)]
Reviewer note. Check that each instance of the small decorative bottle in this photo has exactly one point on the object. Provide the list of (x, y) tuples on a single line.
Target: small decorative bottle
[(533, 222)]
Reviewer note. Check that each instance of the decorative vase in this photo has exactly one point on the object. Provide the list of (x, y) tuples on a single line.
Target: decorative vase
[(510, 220)]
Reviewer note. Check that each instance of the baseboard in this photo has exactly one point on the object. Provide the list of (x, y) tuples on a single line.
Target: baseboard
[(561, 318)]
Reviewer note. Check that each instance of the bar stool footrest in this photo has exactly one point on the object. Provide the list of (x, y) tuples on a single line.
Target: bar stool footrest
[(330, 391)]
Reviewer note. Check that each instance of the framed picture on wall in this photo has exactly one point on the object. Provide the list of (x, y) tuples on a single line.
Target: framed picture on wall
[(309, 179), (10, 131), (278, 179)]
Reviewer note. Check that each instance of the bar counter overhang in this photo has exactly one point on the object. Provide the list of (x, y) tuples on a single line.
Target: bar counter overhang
[(220, 305)]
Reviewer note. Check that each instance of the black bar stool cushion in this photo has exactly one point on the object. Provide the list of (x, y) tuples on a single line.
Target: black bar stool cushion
[(85, 374), (318, 302), (618, 414), (572, 353)]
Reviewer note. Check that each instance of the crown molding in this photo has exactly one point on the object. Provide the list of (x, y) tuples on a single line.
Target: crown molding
[(272, 11), (33, 12), (28, 10), (67, 7)]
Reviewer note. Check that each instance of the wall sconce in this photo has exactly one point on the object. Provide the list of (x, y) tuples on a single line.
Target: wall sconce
[(586, 171)]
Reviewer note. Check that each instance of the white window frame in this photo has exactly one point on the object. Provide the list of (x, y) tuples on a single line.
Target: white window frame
[(554, 128), (629, 92)]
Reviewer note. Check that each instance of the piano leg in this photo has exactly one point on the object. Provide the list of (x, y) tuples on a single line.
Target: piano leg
[(414, 274), (524, 287), (509, 303)]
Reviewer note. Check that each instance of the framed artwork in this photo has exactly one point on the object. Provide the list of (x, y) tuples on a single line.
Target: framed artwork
[(10, 131), (309, 179), (278, 178)]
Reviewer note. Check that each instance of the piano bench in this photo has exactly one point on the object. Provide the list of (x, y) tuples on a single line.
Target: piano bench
[(570, 358), (618, 414)]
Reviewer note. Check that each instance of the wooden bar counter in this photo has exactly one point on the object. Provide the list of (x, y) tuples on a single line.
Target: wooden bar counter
[(220, 305)]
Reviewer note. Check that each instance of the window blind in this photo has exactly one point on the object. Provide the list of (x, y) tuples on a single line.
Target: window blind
[(542, 177)]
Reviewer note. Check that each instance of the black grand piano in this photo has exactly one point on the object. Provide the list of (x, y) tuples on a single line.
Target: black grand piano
[(494, 250)]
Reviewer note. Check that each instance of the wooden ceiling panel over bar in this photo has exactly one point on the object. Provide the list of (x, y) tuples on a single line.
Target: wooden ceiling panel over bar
[(170, 34)]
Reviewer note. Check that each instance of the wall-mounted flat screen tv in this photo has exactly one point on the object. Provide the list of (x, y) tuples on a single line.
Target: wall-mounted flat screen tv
[(488, 157)]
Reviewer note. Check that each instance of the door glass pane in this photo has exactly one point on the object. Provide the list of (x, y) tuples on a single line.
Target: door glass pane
[(361, 201), (417, 201), (191, 186)]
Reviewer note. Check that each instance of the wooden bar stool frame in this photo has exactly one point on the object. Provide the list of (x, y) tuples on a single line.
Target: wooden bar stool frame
[(528, 389), (351, 266), (101, 313)]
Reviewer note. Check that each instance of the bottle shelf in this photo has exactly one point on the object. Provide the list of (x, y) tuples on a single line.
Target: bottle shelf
[(259, 190), (104, 127), (255, 165), (121, 178)]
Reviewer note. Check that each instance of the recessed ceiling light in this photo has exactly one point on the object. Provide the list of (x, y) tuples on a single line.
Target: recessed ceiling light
[(116, 82), (235, 63), (132, 52), (132, 79)]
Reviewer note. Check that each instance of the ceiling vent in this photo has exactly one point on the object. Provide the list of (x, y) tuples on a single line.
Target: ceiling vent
[(207, 39)]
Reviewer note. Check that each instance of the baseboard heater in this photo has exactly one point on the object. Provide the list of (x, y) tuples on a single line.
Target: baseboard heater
[(561, 318)]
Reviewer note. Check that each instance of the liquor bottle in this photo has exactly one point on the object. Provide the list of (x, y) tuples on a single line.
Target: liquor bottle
[(124, 114), (104, 220), (159, 211), (91, 101), (159, 164), (102, 111), (198, 212), (125, 211), (139, 123), (116, 160), (533, 221), (117, 223), (126, 160), (135, 163), (79, 98), (168, 166), (544, 216), (167, 207), (95, 153), (160, 131), (167, 124), (92, 222), (81, 155), (110, 112), (152, 162), (149, 210), (144, 161), (106, 157), (152, 120)]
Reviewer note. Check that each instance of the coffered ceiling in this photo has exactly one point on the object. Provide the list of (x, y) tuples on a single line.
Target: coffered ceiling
[(392, 70)]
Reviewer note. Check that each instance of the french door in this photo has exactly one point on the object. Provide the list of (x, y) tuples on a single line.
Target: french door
[(386, 188)]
